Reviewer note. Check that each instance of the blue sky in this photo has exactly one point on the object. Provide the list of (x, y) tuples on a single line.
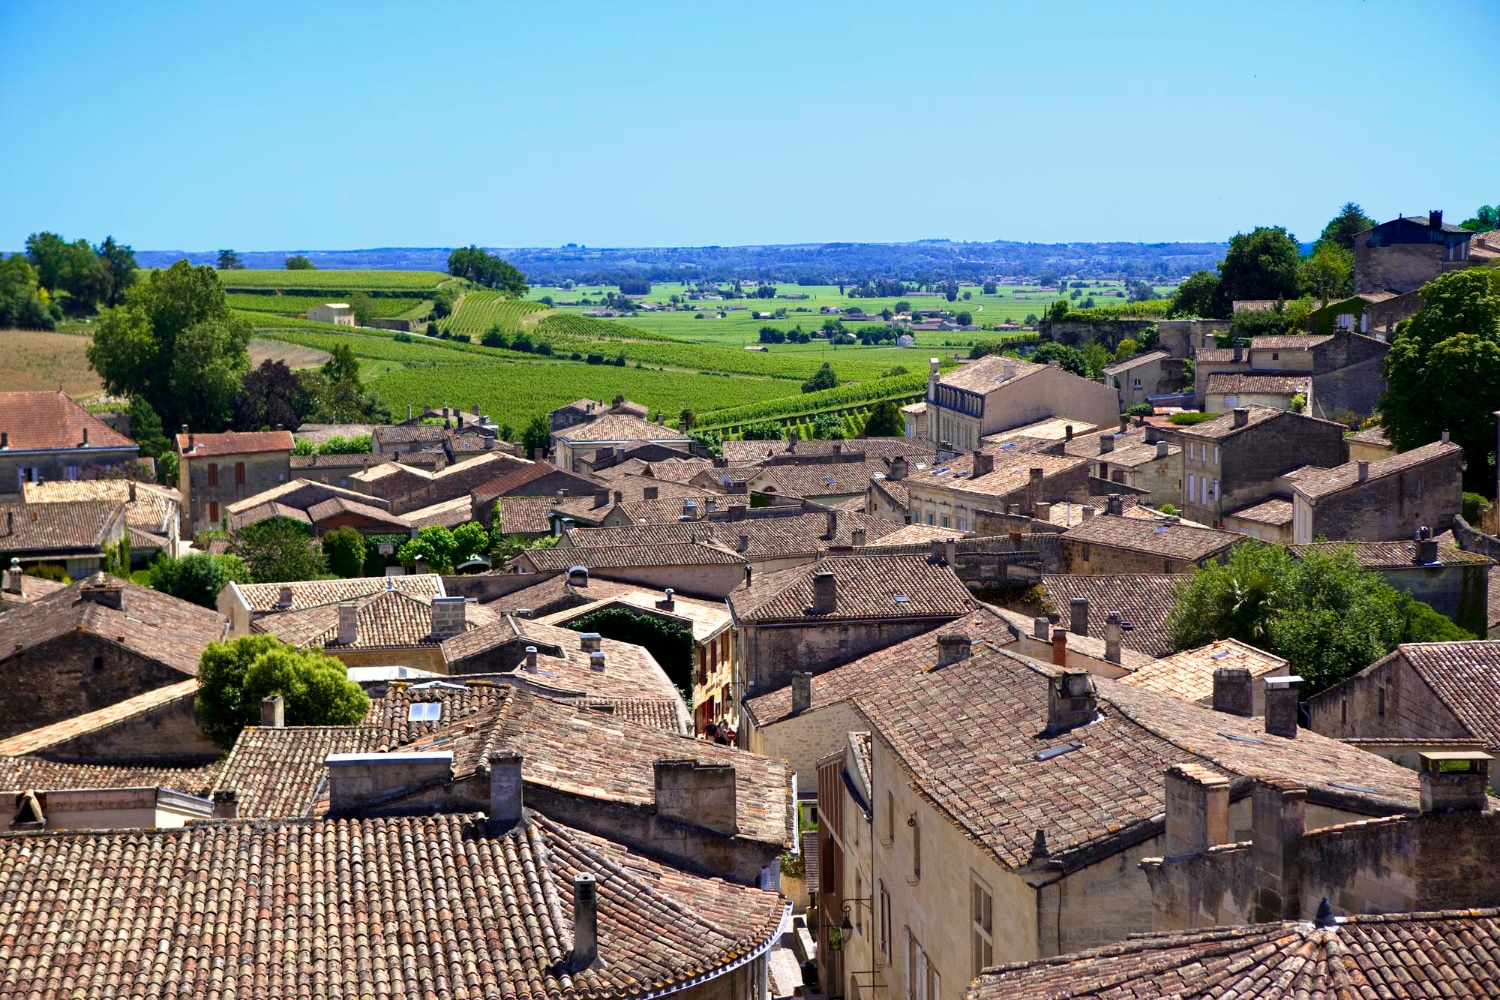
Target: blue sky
[(341, 125)]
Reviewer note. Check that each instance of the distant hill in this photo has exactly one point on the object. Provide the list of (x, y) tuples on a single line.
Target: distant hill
[(808, 263)]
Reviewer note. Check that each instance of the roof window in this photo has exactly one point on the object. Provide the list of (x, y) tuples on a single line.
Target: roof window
[(424, 711), (1058, 751)]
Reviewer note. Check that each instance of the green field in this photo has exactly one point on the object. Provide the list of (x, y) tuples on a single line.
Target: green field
[(414, 281), (385, 308), (478, 311)]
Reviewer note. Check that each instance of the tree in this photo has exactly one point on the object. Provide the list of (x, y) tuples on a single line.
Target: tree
[(176, 344), (344, 548), (823, 378), (230, 261), (23, 302), (338, 393), (486, 269), (1328, 273), (669, 643), (885, 421), (1057, 311), (235, 676), (197, 577), (1197, 295), (1069, 358), (536, 438), (72, 272), (1342, 228), (297, 262), (1095, 357), (1140, 291), (469, 539), (279, 550), (271, 396), (768, 430), (1485, 219), (828, 427), (434, 545), (903, 307), (964, 319), (363, 308), (686, 418), (1260, 264), (1443, 371), (120, 270), (1127, 349), (146, 429), (989, 288)]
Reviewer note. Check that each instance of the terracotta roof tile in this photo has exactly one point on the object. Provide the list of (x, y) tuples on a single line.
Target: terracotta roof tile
[(35, 774), (263, 597), (756, 452), (1465, 677), (153, 510), (605, 557), (1323, 482), (1189, 675), (1256, 382), (866, 586), (447, 514), (1391, 555), (1371, 435), (1171, 540), (1143, 599), (988, 373), (620, 427), (234, 443), (75, 525), (43, 738), (389, 619), (301, 494), (50, 421), (335, 506), (1275, 510), (783, 536)]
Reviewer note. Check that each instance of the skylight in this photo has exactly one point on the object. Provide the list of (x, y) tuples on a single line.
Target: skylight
[(902, 599), (1238, 739), (1058, 751), (424, 711), (1219, 656), (1353, 788)]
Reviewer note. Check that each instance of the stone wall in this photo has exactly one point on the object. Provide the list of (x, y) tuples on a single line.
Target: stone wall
[(263, 471), (1093, 559), (1107, 332), (1385, 700), (801, 739), (72, 674), (1403, 267), (769, 654), (1356, 388), (1471, 540), (166, 734), (1459, 591), (1387, 508)]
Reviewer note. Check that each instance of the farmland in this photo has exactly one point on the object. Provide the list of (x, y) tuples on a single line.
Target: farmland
[(337, 281), (35, 361), (385, 307), (478, 311)]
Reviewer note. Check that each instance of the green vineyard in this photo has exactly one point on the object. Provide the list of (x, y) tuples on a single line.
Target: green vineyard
[(346, 281), (812, 403), (385, 308), (478, 312)]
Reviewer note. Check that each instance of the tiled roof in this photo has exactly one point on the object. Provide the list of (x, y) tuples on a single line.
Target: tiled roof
[(918, 534), (894, 489), (768, 537), (234, 443), (1189, 675), (35, 774), (341, 462), (277, 773), (988, 373), (408, 907), (390, 619), (334, 506), (627, 556), (527, 515), (408, 433), (967, 736), (50, 421), (1170, 540), (1254, 382), (1465, 677), (1011, 472), (1223, 426), (1324, 482), (263, 597), (385, 470), (32, 587), (153, 509), (37, 528), (882, 586), (705, 618), (1397, 956), (873, 670), (756, 452), (1143, 599), (1087, 445), (1276, 510), (1371, 435), (301, 494), (677, 470), (1391, 555), (1138, 455), (1493, 601), (826, 479), (1289, 342), (267, 511), (45, 737), (1044, 432), (152, 624), (513, 479), (447, 514), (1134, 362), (320, 433), (620, 427)]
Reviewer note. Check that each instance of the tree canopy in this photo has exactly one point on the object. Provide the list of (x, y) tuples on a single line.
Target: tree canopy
[(1342, 228), (823, 378), (1197, 295), (23, 302), (885, 420), (197, 577), (442, 549), (80, 278), (297, 262), (279, 550), (1261, 264), (1068, 358), (1487, 217), (235, 676), (344, 548), (486, 269)]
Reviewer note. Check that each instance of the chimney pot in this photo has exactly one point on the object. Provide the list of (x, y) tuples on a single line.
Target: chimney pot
[(585, 921), (1112, 637), (1435, 219), (1087, 511), (1454, 782), (596, 662), (825, 592), (1281, 706), (1078, 616), (801, 691), (1071, 700), (953, 647), (348, 623), (1241, 416), (1364, 470), (1106, 443), (1068, 432), (273, 712), (507, 793), (1114, 505), (1059, 648), (1161, 449), (858, 536), (1234, 691), (531, 659), (1041, 627), (1445, 435)]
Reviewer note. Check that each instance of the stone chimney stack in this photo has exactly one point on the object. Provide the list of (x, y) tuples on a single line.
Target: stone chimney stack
[(1041, 628), (99, 590), (1114, 505), (1455, 782), (1078, 616), (531, 659), (1033, 496), (273, 712), (831, 532), (984, 464), (744, 545), (1281, 706), (932, 367), (1435, 219), (1112, 637), (937, 550), (590, 642), (953, 647), (1087, 511), (585, 922), (898, 469), (1278, 818), (14, 577), (1241, 416), (1162, 449), (348, 623), (1042, 511), (1425, 549), (596, 662), (1106, 443), (578, 576), (801, 691), (1197, 809), (507, 797), (227, 804), (448, 617), (1233, 691), (858, 536), (825, 592), (668, 601), (1071, 701), (1364, 470), (950, 552), (697, 794)]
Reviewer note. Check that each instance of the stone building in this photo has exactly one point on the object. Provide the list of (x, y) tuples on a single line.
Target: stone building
[(243, 603), (1370, 445), (216, 470), (950, 494), (997, 393), (1140, 458), (46, 436), (703, 568), (1151, 373), (1234, 460), (1406, 253), (1195, 674), (1332, 372), (1383, 500), (617, 431), (78, 537), (1142, 600), (1110, 544)]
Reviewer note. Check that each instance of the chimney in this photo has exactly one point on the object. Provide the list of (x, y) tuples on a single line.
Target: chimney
[(348, 623), (1455, 782), (1234, 692), (1041, 628), (1124, 423), (131, 493), (283, 599), (1042, 511), (1364, 470), (950, 552), (859, 536), (590, 642), (1068, 432), (1071, 701), (667, 603), (1435, 220), (983, 464), (937, 550), (1197, 810), (838, 449), (1078, 616), (4, 440), (690, 510), (585, 922), (744, 545), (99, 590), (227, 804), (832, 530), (1087, 511), (507, 794), (273, 712), (1059, 648), (825, 592), (1241, 416), (953, 647), (898, 469), (801, 691), (448, 617), (650, 492), (531, 659), (1445, 435), (596, 662), (791, 442), (578, 576), (14, 577), (1278, 818), (1034, 480), (1161, 449), (1114, 505), (601, 498), (1425, 549), (697, 794), (1106, 443), (1239, 352), (1112, 637), (932, 367), (1281, 706)]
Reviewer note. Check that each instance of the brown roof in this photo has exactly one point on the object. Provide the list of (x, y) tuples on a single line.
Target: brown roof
[(1392, 555), (335, 506), (527, 515), (512, 479), (271, 509), (1140, 359), (1290, 342), (968, 734), (768, 537), (301, 494), (153, 509), (1324, 482), (826, 479), (871, 671), (151, 624), (384, 470), (879, 586), (234, 443), (58, 527), (1223, 426), (1189, 675), (1275, 510), (606, 557), (620, 427), (1371, 435), (988, 373), (469, 914), (1012, 472), (45, 737), (1170, 540), (407, 433), (1397, 956), (1254, 382), (390, 619), (33, 587), (1465, 677), (447, 514), (276, 773), (1142, 599), (261, 597), (50, 421), (35, 774)]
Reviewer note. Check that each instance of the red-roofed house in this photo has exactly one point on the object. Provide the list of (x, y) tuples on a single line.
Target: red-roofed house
[(216, 470), (47, 436)]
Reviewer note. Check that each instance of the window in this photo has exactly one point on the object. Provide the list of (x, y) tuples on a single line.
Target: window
[(890, 819), (98, 663), (963, 525), (213, 511), (72, 472), (1344, 711), (1216, 454), (885, 922), (945, 520), (1380, 699), (1231, 401), (929, 518), (859, 893), (916, 848), (912, 951), (424, 711), (1275, 355), (1137, 384), (981, 915), (239, 473), (1192, 488), (213, 474)]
